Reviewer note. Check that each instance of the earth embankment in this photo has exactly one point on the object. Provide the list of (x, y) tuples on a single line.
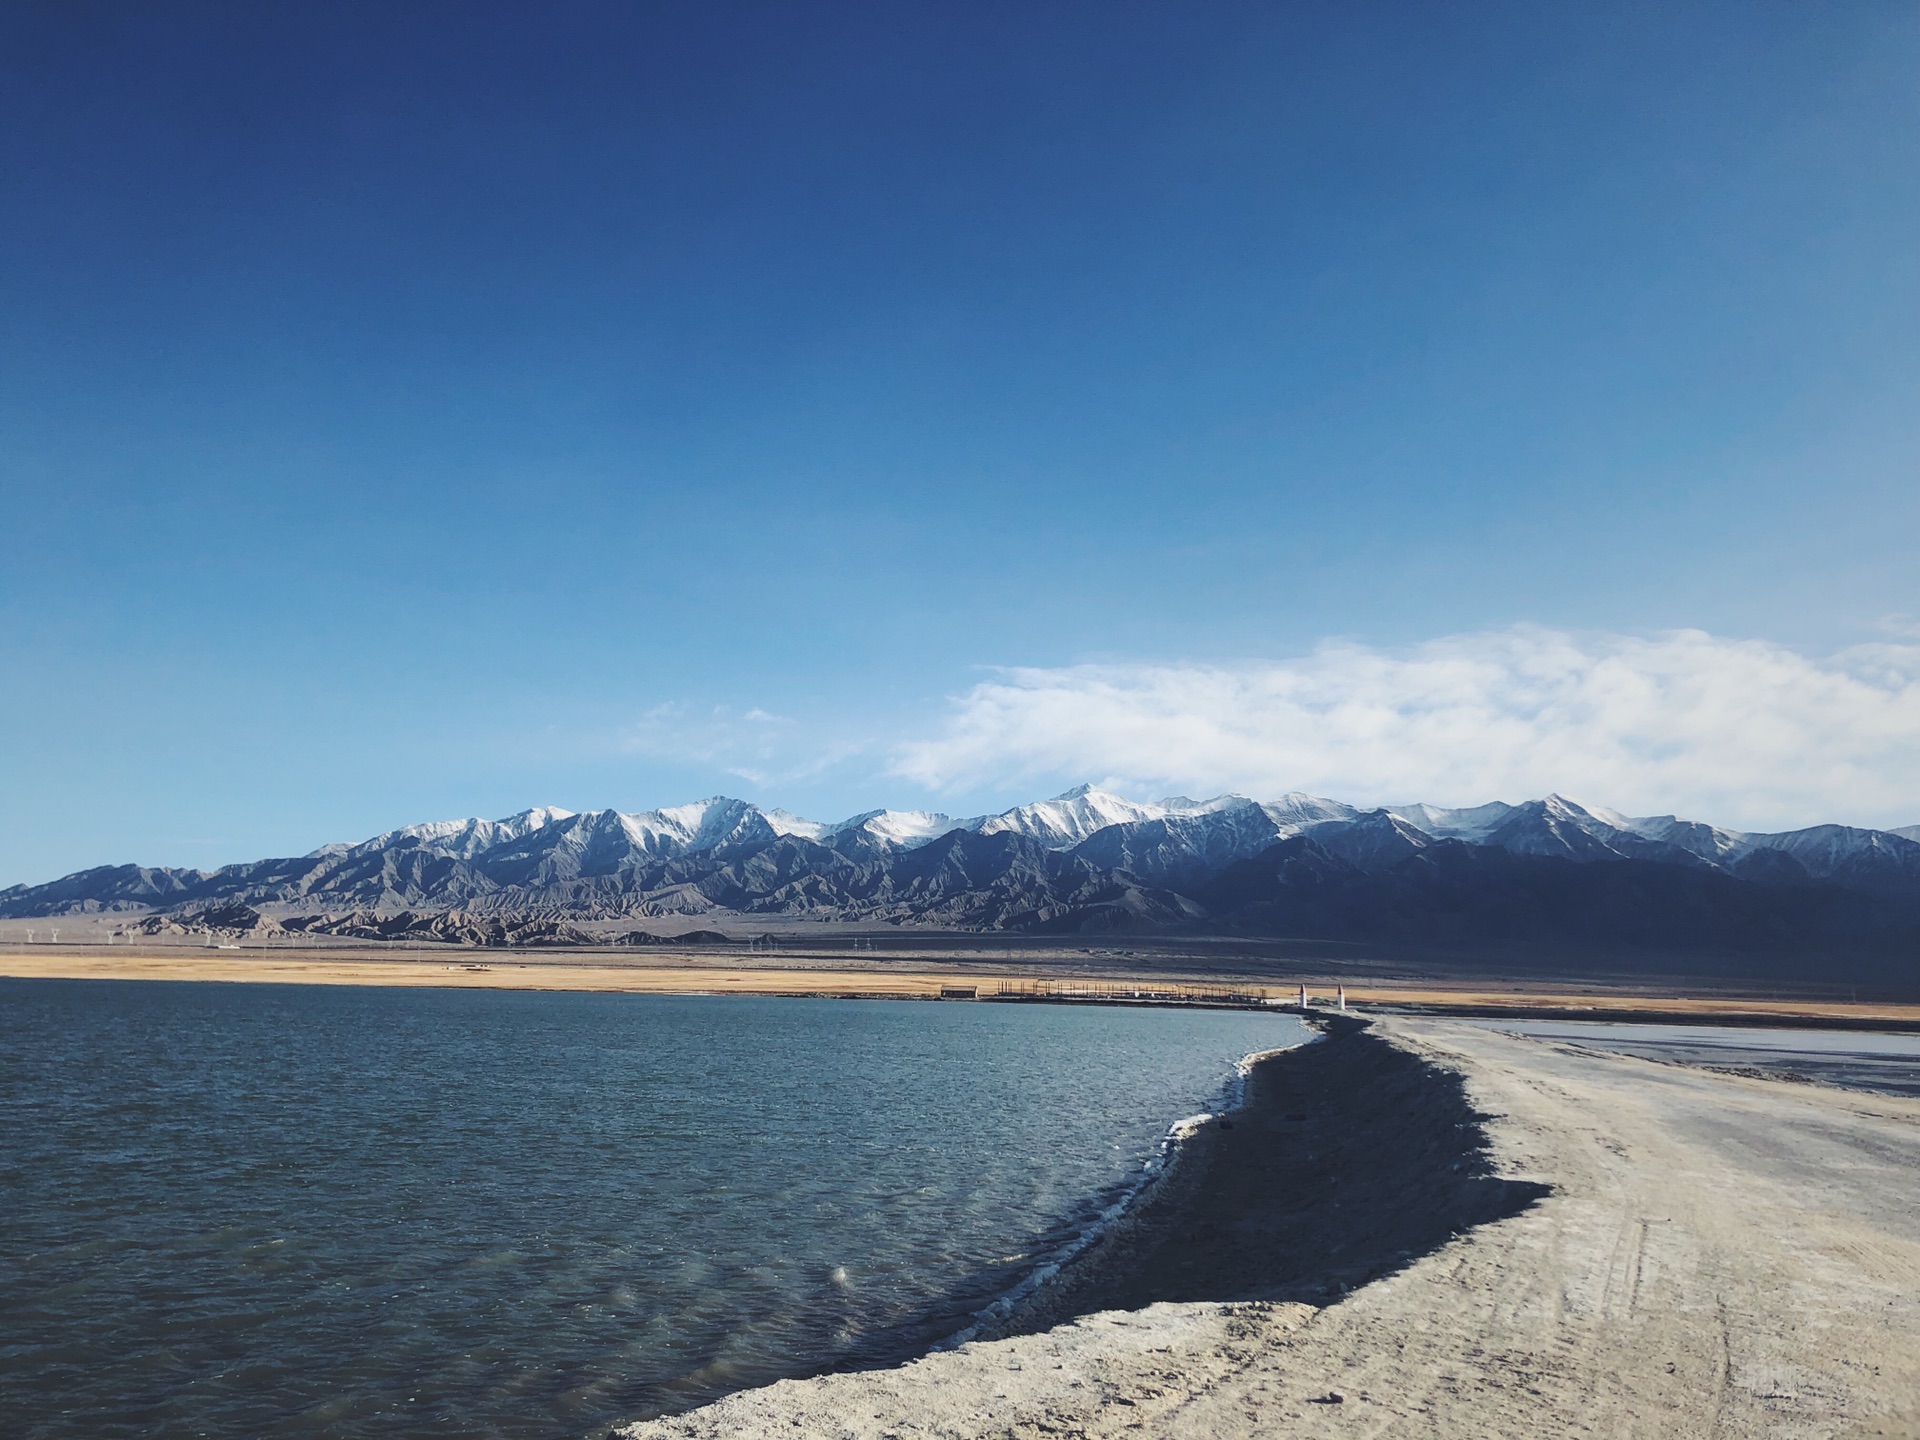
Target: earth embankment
[(1705, 1255), (1350, 1157)]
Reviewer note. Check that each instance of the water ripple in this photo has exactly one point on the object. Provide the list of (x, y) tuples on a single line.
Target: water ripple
[(306, 1211)]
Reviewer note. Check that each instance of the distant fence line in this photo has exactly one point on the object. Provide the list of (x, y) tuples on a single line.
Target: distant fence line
[(1121, 990)]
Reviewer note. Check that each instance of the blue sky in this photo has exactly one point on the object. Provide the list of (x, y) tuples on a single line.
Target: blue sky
[(434, 409)]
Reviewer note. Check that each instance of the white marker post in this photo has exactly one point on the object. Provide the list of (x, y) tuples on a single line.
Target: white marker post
[(1342, 993), (1303, 999)]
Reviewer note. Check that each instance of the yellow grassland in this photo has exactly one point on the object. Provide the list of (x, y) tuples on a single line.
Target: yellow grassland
[(921, 976)]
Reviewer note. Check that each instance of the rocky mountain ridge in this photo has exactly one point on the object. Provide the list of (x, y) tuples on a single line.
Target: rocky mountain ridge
[(1547, 871)]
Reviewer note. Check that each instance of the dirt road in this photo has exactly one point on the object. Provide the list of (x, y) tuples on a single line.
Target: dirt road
[(1718, 1257)]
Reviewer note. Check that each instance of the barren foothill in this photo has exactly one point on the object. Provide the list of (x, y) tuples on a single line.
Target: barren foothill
[(1678, 1253)]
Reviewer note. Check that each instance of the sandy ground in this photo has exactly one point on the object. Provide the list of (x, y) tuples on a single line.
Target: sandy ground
[(691, 975), (1714, 1256), (701, 972)]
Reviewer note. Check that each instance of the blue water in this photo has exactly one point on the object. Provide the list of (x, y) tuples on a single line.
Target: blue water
[(235, 1211)]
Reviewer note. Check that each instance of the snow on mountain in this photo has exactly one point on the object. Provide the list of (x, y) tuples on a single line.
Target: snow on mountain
[(1554, 826), (1294, 811), (908, 828), (1566, 828), (1468, 824), (1862, 859), (462, 839), (1199, 832), (1206, 831), (1068, 819), (703, 825), (1192, 838), (785, 822), (1182, 846), (902, 828), (1859, 859), (1375, 840), (658, 860), (1709, 842), (1222, 804)]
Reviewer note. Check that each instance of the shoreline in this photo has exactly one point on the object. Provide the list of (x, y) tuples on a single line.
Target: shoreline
[(1163, 1182), (1245, 1215), (1029, 1295), (1118, 1259), (1474, 1235), (692, 972)]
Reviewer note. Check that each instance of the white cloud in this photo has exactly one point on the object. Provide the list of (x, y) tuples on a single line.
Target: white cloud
[(742, 745), (1739, 732), (755, 745)]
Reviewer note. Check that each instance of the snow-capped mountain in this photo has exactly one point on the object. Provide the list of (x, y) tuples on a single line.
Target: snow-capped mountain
[(463, 838), (907, 828), (1068, 819), (704, 825), (1089, 859), (904, 828), (1294, 809), (1158, 834), (1443, 824)]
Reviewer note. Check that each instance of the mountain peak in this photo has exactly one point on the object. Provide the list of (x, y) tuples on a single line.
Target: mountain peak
[(1086, 858), (1558, 804)]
